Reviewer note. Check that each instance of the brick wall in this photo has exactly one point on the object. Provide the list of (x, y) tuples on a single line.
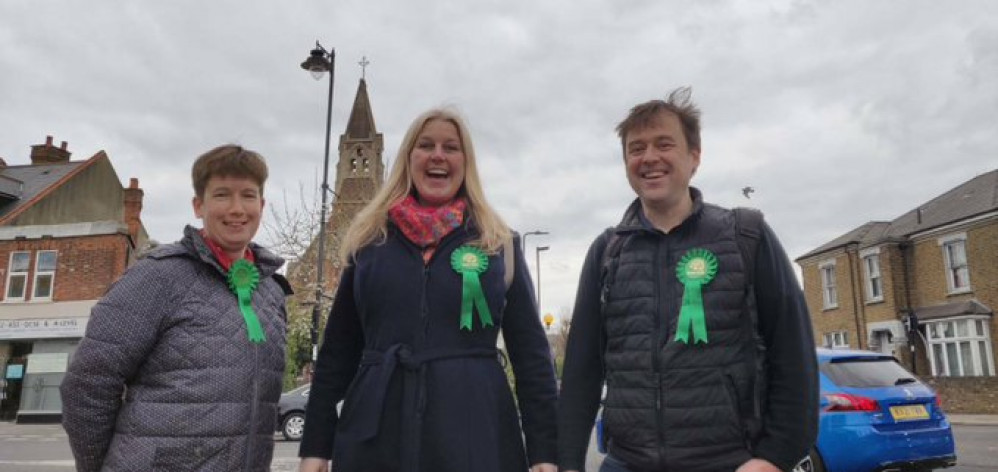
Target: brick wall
[(982, 256), (929, 274), (86, 265), (834, 319), (886, 309), (966, 395)]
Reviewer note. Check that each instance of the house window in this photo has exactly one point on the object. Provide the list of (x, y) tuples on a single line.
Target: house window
[(960, 348), (17, 276), (874, 287), (955, 258), (44, 275), (829, 292), (837, 340)]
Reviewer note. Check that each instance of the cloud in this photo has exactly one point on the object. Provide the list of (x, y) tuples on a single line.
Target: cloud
[(837, 113)]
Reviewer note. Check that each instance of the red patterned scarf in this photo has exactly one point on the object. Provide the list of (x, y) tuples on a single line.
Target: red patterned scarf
[(426, 226)]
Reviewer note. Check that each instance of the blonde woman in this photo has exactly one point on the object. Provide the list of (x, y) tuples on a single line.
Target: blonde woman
[(410, 342)]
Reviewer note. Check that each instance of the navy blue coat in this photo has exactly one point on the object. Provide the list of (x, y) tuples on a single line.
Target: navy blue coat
[(420, 393)]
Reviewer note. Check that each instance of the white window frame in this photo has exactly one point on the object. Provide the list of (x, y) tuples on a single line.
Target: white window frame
[(40, 273), (945, 340), (872, 274), (953, 268), (829, 288), (11, 274), (837, 340)]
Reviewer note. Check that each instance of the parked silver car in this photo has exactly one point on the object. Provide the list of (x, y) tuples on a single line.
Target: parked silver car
[(291, 412)]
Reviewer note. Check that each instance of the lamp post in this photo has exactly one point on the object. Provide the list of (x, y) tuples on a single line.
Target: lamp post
[(524, 238), (538, 251), (318, 63)]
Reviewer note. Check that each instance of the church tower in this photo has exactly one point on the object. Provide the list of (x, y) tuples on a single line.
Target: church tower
[(359, 175), (360, 170)]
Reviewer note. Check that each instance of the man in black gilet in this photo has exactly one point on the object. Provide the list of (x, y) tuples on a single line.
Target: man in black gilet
[(693, 317)]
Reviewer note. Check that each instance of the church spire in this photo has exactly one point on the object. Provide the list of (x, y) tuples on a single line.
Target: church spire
[(361, 124), (361, 146)]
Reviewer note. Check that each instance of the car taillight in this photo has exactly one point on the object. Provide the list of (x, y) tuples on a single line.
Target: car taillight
[(939, 402), (849, 402)]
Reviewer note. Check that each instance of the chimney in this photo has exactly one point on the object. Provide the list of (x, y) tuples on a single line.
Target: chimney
[(133, 208), (49, 154)]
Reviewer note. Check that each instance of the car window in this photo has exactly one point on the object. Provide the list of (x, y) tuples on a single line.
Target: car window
[(867, 373)]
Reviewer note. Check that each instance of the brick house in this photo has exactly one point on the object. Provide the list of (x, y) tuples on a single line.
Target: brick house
[(68, 229), (922, 287)]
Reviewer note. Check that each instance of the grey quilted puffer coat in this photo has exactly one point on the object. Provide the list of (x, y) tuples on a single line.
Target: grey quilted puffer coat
[(166, 378)]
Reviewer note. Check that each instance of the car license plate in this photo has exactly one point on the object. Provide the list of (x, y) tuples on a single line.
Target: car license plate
[(909, 412)]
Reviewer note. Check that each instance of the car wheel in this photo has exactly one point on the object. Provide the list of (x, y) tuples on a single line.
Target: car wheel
[(293, 426), (810, 463)]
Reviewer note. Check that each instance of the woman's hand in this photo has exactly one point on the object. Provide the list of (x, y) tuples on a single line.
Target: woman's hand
[(313, 464), (544, 467)]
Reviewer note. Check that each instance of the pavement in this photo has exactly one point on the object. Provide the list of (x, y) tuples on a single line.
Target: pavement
[(978, 420), (47, 437)]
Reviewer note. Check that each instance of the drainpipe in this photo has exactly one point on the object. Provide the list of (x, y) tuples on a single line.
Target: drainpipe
[(852, 251), (903, 251)]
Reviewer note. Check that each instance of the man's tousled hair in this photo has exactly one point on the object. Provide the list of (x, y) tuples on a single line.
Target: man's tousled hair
[(679, 103)]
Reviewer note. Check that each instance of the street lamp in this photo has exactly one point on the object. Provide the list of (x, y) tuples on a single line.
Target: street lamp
[(538, 251), (524, 238), (318, 63)]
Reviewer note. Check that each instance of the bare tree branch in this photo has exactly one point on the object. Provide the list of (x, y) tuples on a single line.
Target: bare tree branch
[(292, 227)]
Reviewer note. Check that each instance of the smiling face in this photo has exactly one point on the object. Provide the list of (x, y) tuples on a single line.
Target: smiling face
[(659, 162), (230, 209), (436, 163)]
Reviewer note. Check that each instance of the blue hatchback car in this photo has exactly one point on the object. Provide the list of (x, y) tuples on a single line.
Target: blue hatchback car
[(876, 416)]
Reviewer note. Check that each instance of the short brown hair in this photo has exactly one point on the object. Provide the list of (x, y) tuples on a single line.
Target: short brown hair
[(228, 160), (678, 103)]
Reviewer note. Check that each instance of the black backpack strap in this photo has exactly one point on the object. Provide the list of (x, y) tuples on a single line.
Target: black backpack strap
[(609, 262), (748, 226), (748, 232)]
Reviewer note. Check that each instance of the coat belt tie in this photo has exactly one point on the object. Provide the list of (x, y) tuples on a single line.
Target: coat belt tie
[(383, 364)]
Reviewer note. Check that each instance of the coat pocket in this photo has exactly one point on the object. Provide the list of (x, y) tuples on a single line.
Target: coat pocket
[(192, 456)]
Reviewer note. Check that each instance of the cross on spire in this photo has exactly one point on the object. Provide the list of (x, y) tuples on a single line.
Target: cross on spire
[(363, 66)]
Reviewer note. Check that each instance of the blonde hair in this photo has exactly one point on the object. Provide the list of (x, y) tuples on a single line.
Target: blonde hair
[(370, 226)]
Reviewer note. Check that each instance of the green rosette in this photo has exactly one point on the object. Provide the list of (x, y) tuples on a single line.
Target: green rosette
[(695, 270), (243, 278), (469, 261)]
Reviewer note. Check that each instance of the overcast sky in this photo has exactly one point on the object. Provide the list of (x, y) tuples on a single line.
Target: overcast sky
[(836, 112)]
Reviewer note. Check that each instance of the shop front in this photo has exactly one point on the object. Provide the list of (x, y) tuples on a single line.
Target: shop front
[(37, 342)]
